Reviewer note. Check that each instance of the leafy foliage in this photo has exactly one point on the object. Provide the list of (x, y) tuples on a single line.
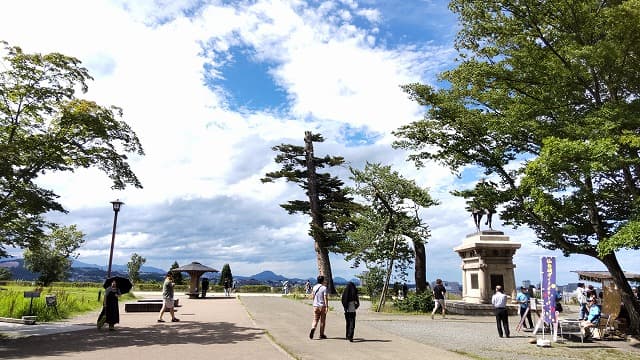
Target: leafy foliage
[(133, 267), (5, 274), (45, 127), (388, 221), (546, 98), (177, 276), (225, 273), (53, 258), (372, 281), (327, 203), (415, 302)]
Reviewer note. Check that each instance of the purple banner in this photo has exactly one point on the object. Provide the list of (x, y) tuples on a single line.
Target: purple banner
[(548, 290)]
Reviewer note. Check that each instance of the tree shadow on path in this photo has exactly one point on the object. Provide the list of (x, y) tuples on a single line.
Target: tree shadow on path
[(158, 334)]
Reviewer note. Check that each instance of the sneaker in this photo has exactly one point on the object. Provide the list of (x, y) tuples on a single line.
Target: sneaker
[(431, 316), (311, 333), (175, 320), (323, 336), (160, 320)]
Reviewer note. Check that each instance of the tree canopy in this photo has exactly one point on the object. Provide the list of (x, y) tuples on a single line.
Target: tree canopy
[(388, 222), (327, 203), (546, 96), (45, 127), (133, 267), (53, 258)]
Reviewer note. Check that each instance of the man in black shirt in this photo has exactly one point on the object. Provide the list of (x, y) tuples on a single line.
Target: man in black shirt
[(439, 293)]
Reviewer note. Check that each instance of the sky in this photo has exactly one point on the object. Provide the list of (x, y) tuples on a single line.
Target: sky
[(211, 86)]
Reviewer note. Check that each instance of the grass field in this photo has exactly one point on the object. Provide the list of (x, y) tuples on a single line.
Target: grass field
[(70, 301)]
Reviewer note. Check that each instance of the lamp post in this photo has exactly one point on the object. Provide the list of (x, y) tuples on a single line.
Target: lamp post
[(116, 207)]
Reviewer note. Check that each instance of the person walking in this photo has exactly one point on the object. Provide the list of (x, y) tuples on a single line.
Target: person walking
[(350, 302), (499, 301), (439, 293), (523, 298), (320, 307), (307, 287), (167, 296)]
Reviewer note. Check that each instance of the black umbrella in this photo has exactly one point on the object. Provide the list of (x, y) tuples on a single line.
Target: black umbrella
[(123, 284)]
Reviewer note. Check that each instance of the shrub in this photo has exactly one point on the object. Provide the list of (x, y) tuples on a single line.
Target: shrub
[(414, 302)]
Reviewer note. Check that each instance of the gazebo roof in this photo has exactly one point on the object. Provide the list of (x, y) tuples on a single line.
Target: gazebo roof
[(598, 276), (195, 267)]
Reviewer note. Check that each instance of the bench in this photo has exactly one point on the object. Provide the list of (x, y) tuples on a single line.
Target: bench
[(147, 306), (175, 301)]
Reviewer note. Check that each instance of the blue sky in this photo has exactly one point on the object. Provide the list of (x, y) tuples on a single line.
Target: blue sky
[(211, 86)]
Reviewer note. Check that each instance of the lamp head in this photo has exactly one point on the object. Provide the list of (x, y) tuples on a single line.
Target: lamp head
[(116, 205)]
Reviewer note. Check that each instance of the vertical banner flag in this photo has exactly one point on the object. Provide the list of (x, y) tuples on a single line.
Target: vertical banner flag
[(548, 290)]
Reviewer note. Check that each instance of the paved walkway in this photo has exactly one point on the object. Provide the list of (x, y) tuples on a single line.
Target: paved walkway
[(263, 327)]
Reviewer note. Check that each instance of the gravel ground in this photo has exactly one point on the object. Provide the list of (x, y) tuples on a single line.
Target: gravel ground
[(477, 336)]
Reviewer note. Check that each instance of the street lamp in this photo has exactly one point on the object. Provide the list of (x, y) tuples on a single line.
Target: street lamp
[(116, 207)]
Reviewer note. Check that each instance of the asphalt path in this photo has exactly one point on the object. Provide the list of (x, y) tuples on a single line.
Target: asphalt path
[(249, 327)]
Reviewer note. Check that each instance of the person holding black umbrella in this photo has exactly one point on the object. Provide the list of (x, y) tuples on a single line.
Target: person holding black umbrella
[(114, 287), (112, 311)]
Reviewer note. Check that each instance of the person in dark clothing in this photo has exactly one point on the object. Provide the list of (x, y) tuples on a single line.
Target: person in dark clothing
[(111, 295), (439, 293), (204, 287), (350, 302)]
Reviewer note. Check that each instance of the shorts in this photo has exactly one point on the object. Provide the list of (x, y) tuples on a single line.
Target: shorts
[(168, 303)]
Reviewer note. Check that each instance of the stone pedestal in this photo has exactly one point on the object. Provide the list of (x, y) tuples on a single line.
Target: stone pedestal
[(487, 261)]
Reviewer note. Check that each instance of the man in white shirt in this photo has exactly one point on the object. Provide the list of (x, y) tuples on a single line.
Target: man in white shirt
[(320, 307), (499, 301)]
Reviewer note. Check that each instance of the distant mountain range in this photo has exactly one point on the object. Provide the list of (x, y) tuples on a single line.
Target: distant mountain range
[(81, 271)]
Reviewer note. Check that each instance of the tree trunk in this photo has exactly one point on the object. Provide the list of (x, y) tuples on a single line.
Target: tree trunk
[(630, 303), (324, 267), (420, 266), (383, 296), (317, 225)]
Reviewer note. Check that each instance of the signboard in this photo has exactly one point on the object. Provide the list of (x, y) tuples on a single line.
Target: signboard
[(549, 288), (32, 294)]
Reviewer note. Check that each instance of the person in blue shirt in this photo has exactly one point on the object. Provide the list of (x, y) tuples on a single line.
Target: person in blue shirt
[(523, 298), (593, 319)]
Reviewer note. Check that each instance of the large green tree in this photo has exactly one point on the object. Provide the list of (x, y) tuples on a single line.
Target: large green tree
[(133, 267), (45, 127), (53, 258), (225, 273), (176, 275), (546, 96), (327, 203), (387, 222)]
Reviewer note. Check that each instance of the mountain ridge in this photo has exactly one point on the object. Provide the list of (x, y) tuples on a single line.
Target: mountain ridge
[(81, 271)]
